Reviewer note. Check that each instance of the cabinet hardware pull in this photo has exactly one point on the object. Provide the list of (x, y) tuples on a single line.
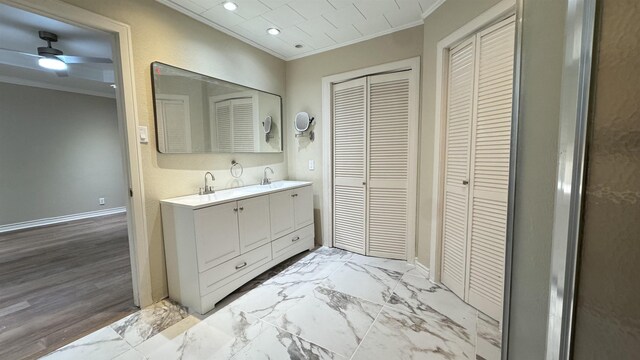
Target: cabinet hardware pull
[(294, 195), (364, 183), (238, 267), (465, 182), (295, 239), (236, 209), (241, 208)]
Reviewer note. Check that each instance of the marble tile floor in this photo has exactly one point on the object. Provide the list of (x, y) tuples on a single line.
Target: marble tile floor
[(323, 304)]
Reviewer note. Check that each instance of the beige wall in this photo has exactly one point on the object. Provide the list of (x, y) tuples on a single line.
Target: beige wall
[(59, 153), (542, 54), (304, 93), (607, 312), (162, 34)]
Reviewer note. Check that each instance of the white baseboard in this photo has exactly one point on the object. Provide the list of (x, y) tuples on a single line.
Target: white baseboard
[(60, 219), (422, 268)]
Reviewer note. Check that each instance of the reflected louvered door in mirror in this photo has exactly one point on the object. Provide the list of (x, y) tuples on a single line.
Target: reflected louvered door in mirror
[(457, 156), (490, 152), (349, 164), (243, 125), (388, 170)]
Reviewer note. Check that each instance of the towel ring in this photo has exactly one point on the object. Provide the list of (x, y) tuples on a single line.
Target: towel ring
[(234, 171)]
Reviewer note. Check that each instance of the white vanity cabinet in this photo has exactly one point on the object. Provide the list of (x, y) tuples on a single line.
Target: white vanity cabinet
[(217, 242), (291, 210)]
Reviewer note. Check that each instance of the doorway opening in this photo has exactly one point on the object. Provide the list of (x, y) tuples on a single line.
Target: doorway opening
[(69, 243)]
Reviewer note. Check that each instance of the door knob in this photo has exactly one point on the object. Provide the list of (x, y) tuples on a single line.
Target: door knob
[(364, 183), (465, 182)]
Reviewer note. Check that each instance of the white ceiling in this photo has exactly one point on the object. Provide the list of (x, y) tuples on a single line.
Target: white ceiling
[(317, 25), (19, 31)]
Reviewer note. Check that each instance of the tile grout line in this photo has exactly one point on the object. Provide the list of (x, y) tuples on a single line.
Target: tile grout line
[(366, 333)]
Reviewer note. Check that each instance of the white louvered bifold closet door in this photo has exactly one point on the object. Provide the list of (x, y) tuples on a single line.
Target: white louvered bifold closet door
[(490, 167), (388, 184), (457, 158), (244, 122), (349, 168)]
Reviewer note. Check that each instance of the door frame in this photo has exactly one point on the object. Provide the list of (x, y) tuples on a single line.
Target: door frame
[(495, 14), (127, 124), (411, 64), (579, 58)]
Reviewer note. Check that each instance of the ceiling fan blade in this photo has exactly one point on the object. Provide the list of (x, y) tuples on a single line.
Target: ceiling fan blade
[(84, 59), (13, 53)]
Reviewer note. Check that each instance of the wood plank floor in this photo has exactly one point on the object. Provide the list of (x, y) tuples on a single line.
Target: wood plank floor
[(61, 282)]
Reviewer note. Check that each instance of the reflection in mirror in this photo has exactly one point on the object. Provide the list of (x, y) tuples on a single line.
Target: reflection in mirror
[(200, 114)]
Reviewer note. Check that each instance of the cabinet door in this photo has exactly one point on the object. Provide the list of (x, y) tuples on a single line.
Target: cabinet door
[(303, 206), (217, 237), (253, 220), (281, 209)]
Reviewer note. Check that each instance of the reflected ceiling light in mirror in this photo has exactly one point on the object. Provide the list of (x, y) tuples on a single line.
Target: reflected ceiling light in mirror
[(273, 31), (231, 6), (52, 63)]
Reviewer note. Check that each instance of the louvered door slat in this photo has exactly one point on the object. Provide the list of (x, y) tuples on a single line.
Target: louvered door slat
[(349, 169), (457, 153), (490, 167)]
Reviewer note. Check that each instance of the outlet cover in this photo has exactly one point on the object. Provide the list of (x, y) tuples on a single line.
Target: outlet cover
[(101, 201), (312, 165)]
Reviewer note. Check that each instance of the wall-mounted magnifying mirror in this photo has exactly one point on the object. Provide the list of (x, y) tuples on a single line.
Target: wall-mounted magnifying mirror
[(302, 123)]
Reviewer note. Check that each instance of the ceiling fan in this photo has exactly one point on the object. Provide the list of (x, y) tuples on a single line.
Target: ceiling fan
[(54, 59)]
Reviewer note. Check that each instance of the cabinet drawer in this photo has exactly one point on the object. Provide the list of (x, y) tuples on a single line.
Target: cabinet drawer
[(281, 245), (232, 269)]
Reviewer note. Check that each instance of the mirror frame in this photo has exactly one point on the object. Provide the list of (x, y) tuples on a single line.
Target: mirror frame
[(155, 111)]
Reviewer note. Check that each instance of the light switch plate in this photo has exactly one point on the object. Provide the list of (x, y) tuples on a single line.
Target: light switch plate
[(143, 133), (312, 165)]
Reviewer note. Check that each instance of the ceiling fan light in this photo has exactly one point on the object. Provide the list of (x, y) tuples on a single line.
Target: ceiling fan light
[(231, 6), (52, 63), (273, 31)]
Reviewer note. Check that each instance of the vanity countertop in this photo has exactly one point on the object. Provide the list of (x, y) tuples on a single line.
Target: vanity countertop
[(222, 196)]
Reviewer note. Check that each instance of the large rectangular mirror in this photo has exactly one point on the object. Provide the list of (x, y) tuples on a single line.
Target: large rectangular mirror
[(200, 114)]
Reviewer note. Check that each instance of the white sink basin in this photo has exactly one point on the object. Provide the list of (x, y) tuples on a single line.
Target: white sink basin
[(226, 195)]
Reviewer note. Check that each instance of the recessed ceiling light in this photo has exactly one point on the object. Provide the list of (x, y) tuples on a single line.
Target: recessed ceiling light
[(231, 6), (52, 63), (273, 31)]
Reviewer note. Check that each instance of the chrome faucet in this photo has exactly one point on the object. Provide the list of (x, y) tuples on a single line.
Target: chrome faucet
[(207, 189), (265, 179)]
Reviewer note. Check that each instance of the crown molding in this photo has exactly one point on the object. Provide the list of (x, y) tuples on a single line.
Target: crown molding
[(432, 8), (235, 35), (220, 28), (364, 38)]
